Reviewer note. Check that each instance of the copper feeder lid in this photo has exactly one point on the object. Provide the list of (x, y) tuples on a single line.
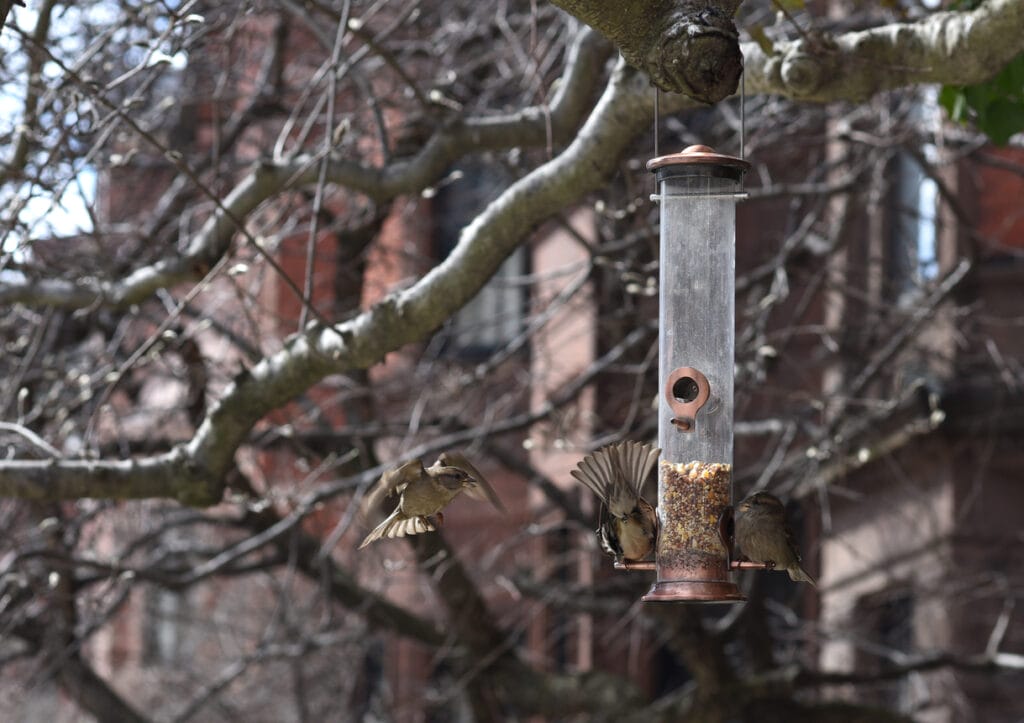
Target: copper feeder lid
[(698, 156)]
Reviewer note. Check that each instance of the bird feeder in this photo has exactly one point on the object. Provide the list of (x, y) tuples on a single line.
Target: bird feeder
[(697, 193)]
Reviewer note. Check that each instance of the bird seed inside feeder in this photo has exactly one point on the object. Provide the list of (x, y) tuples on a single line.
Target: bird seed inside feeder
[(693, 496)]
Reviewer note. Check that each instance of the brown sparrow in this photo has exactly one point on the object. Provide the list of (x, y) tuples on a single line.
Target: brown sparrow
[(763, 536), (628, 528), (424, 492)]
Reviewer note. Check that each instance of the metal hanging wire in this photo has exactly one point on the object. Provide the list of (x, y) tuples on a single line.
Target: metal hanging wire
[(657, 115), (743, 118), (743, 133)]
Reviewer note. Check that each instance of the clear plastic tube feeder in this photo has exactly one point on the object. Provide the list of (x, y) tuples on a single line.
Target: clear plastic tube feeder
[(697, 192)]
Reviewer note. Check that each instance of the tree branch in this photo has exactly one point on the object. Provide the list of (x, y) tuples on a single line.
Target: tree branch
[(982, 662), (685, 46), (952, 48), (79, 681), (93, 694), (527, 127), (165, 475)]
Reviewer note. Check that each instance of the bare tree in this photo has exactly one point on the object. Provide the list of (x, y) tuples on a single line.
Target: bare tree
[(255, 253)]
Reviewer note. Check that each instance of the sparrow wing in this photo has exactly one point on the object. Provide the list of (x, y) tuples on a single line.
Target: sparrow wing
[(606, 535), (592, 472), (791, 541), (615, 473), (638, 459), (482, 492), (391, 483), (797, 573), (395, 479)]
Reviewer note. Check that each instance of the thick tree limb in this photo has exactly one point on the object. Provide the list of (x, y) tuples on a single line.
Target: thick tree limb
[(685, 46), (952, 48), (164, 475), (690, 48), (80, 682)]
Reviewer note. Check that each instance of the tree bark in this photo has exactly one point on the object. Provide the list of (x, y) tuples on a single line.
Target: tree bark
[(685, 46)]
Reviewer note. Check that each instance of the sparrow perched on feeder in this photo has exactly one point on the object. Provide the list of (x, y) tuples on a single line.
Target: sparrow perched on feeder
[(424, 492), (629, 527), (763, 536)]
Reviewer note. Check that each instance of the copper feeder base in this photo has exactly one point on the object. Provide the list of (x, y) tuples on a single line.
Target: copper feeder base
[(694, 591)]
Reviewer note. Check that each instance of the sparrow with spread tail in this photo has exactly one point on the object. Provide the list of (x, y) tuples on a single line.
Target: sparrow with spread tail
[(424, 492), (763, 536), (628, 528)]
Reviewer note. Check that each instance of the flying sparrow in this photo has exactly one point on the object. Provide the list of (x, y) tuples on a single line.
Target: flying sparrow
[(424, 492), (763, 536), (629, 527)]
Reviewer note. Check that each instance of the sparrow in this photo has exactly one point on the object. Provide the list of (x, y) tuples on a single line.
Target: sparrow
[(425, 491), (763, 536), (628, 528)]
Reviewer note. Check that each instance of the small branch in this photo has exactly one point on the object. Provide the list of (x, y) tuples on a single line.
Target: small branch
[(977, 663), (79, 681), (874, 442), (31, 437), (995, 639), (265, 653), (269, 526), (553, 492), (922, 313), (15, 164)]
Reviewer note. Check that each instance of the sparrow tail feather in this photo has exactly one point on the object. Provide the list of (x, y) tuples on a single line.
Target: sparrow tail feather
[(397, 526), (798, 574)]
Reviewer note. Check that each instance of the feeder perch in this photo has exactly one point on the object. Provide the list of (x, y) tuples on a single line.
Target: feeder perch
[(697, 193), (634, 565)]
